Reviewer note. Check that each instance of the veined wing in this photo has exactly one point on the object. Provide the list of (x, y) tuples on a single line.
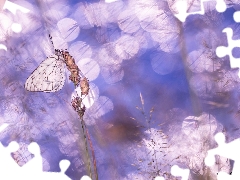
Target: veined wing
[(49, 76)]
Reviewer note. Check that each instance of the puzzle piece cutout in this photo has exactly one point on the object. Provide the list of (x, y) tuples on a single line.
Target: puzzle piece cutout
[(236, 16), (110, 1), (12, 7), (85, 178), (228, 150), (177, 172), (181, 6), (7, 164), (33, 169), (2, 46), (3, 126), (222, 51), (159, 178)]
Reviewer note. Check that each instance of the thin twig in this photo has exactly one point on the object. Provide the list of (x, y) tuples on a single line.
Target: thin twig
[(93, 154), (76, 103), (86, 145)]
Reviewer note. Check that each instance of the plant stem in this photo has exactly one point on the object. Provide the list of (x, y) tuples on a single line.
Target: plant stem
[(86, 145), (87, 141), (93, 155)]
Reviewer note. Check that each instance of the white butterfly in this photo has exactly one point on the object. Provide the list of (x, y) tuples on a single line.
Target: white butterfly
[(49, 76)]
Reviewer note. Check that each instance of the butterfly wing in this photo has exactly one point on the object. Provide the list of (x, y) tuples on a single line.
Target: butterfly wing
[(49, 76)]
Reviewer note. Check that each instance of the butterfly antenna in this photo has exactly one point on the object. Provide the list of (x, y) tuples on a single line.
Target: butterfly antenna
[(50, 37)]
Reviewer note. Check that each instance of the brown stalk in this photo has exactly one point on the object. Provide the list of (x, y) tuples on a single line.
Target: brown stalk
[(77, 105)]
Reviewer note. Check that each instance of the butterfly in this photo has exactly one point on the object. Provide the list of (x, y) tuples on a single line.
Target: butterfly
[(49, 76)]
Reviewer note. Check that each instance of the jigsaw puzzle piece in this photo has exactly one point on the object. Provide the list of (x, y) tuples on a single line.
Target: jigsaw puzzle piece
[(227, 150), (34, 165), (88, 178), (12, 7), (7, 164), (236, 16), (221, 6), (4, 125), (33, 169), (181, 6), (2, 46), (225, 176), (222, 51), (159, 178), (177, 171), (64, 164)]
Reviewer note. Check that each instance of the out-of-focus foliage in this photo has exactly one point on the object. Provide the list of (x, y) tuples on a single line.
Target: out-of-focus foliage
[(123, 48)]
